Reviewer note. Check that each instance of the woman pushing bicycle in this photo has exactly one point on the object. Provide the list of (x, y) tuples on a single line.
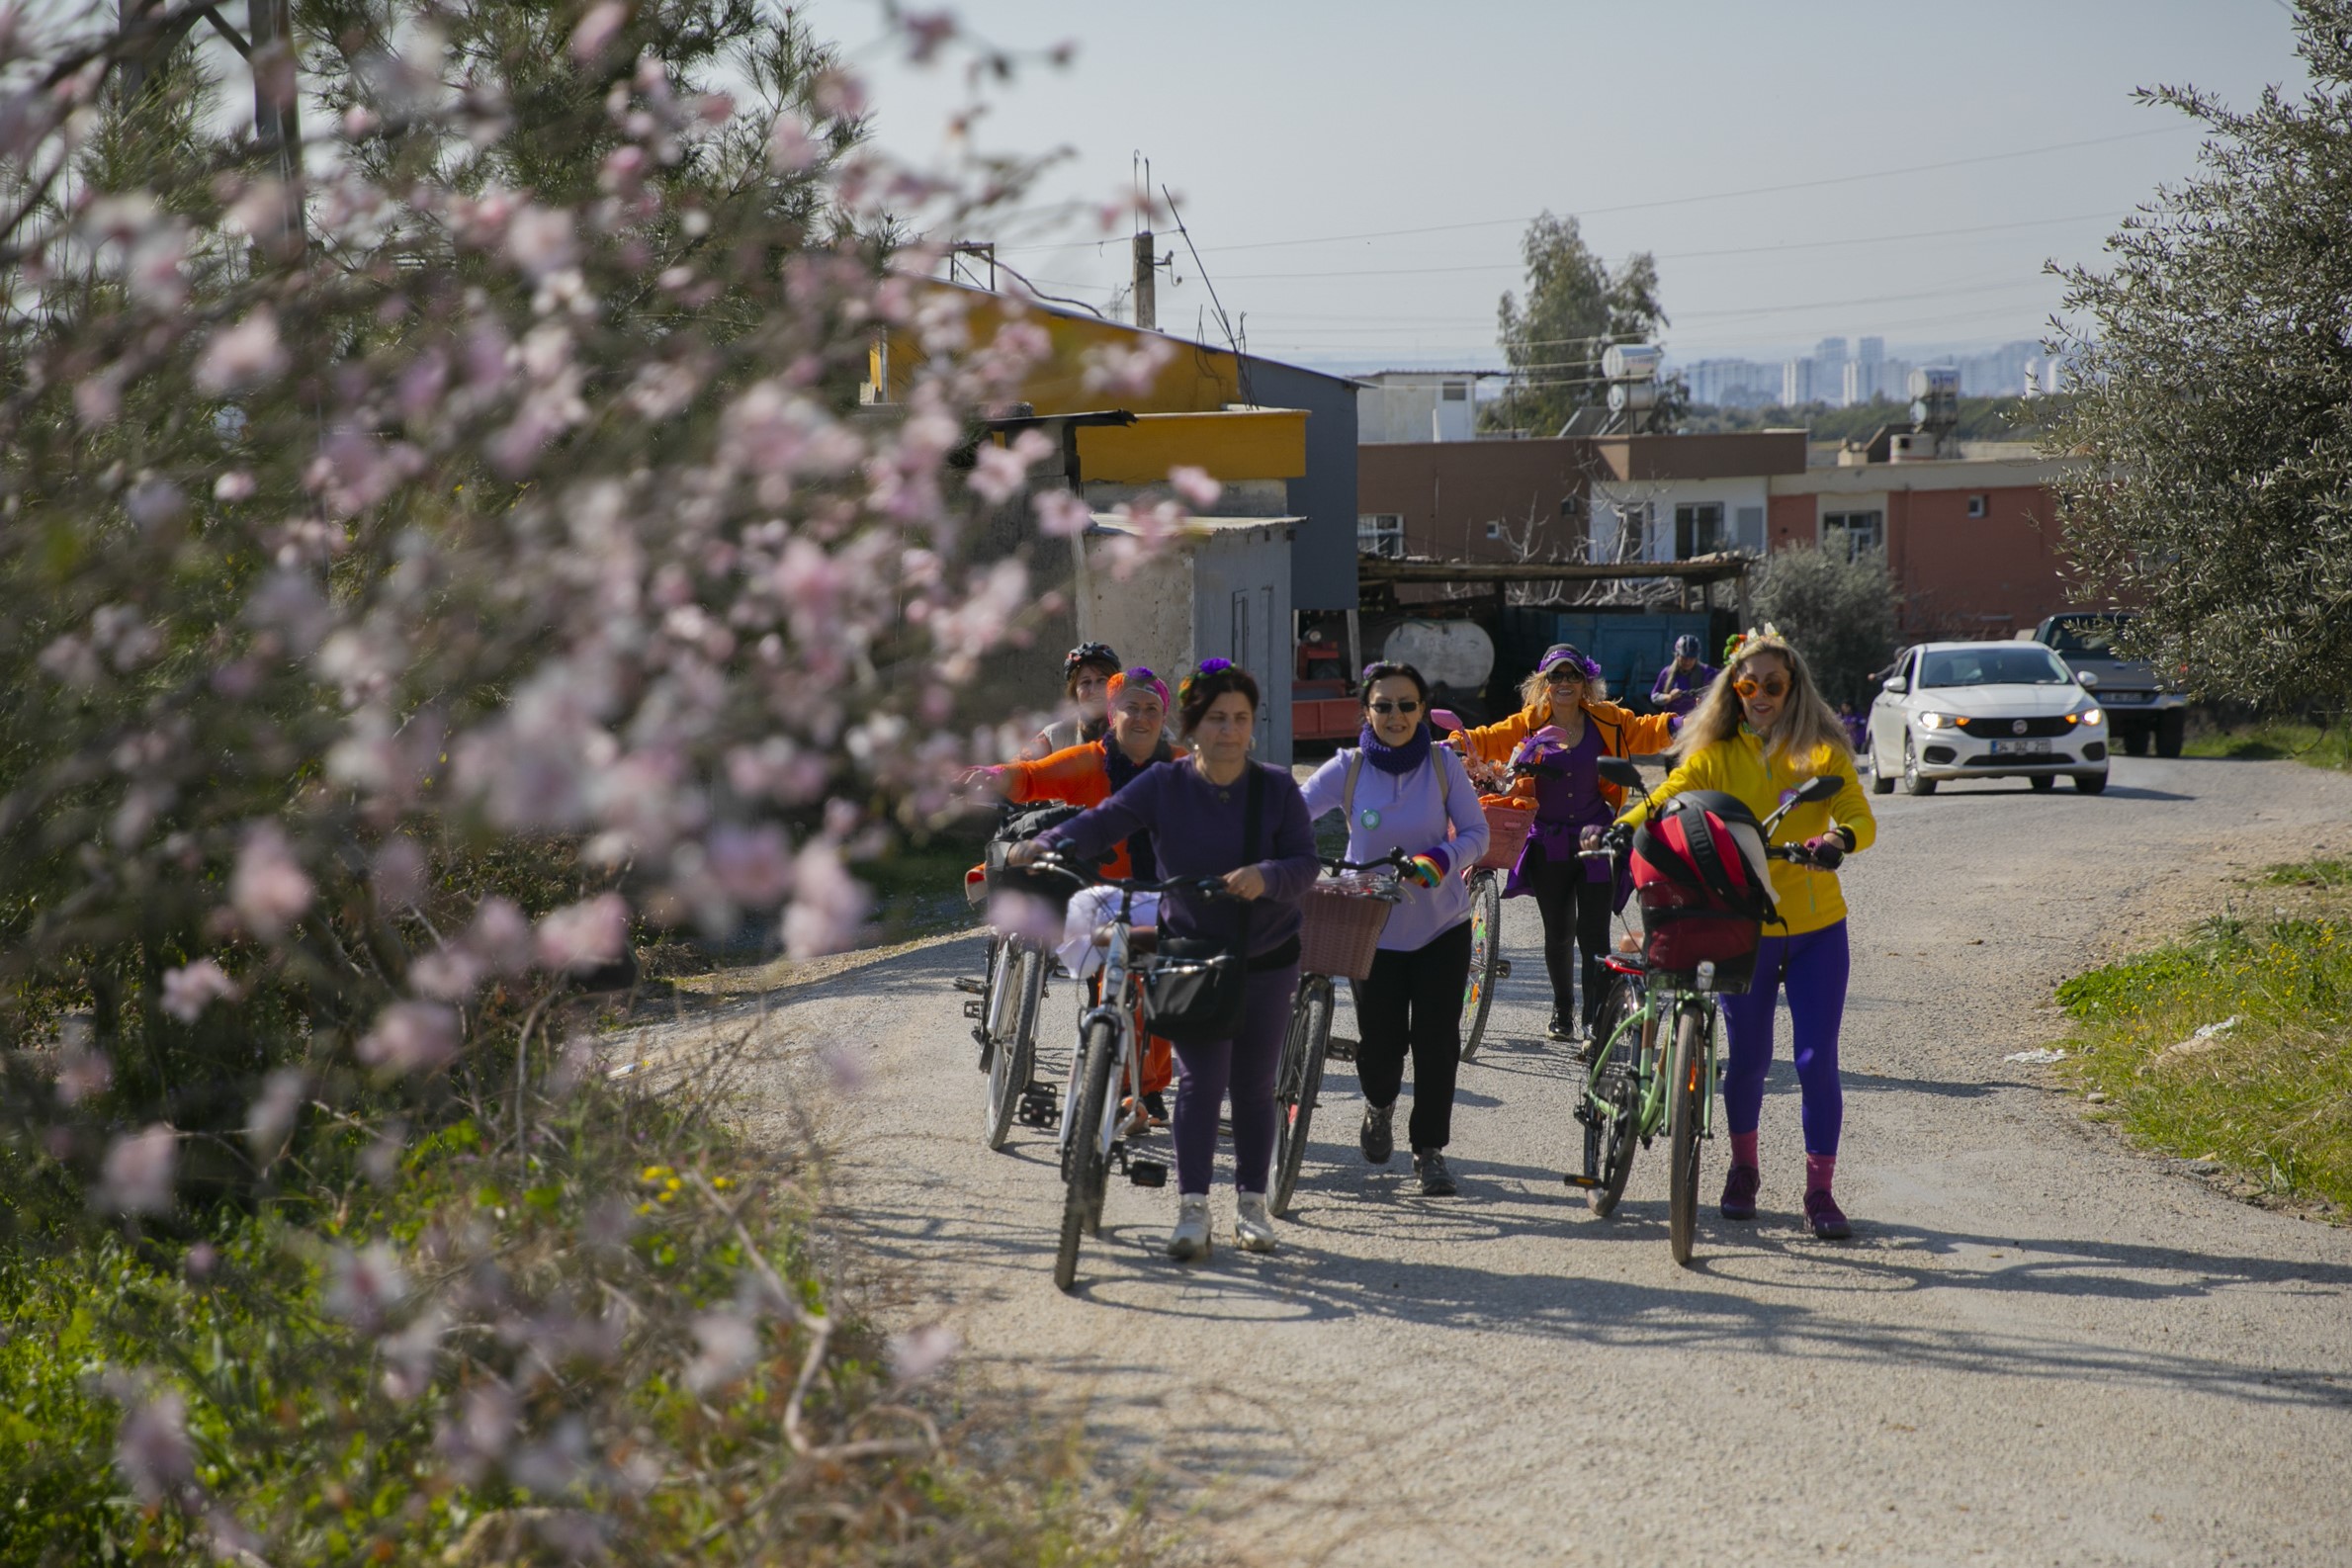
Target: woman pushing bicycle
[(1760, 730), (1400, 792), (1202, 814), (1554, 743), (1088, 774)]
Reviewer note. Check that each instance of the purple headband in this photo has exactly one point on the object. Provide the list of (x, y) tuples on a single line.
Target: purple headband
[(1209, 666), (1138, 676), (1568, 655)]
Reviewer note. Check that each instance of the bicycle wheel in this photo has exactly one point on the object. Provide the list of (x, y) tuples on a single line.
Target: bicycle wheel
[(1013, 1059), (1300, 1080), (988, 978), (1081, 1157), (1684, 1084), (1612, 1104), (1486, 957)]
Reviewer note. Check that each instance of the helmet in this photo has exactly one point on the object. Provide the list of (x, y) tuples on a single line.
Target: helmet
[(1686, 647), (1099, 655)]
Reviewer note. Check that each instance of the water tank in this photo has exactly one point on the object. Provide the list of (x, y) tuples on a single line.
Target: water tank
[(1454, 653), (1631, 361), (1632, 397)]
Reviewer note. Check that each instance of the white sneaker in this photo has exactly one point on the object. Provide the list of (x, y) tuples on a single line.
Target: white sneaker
[(1252, 1228), (1191, 1238)]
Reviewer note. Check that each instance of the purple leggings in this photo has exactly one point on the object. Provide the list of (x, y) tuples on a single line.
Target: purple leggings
[(1247, 1063), (1814, 967)]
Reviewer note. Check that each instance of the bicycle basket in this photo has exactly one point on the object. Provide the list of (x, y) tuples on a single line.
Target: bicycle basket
[(1508, 824), (1685, 926), (1344, 917)]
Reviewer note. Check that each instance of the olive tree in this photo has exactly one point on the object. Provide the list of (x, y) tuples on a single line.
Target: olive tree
[(1839, 612), (2214, 356)]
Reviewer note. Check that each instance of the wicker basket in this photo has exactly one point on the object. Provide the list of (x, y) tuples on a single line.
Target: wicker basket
[(1508, 824), (1344, 924)]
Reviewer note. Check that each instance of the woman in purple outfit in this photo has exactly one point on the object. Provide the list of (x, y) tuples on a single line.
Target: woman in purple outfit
[(1683, 680), (1400, 792), (1196, 811)]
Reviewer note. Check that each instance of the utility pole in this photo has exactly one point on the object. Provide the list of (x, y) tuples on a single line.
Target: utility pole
[(1147, 312)]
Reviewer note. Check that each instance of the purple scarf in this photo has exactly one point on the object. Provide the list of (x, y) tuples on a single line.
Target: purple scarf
[(1397, 759)]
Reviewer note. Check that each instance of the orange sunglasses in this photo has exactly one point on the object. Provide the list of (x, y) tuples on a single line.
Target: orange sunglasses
[(1771, 686)]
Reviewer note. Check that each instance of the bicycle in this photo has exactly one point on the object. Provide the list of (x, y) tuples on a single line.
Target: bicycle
[(1092, 1136), (1652, 1061), (1488, 967), (1299, 1080), (1005, 1024)]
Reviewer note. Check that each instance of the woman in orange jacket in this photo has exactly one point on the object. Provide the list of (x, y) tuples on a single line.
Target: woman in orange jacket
[(1554, 743), (1088, 775)]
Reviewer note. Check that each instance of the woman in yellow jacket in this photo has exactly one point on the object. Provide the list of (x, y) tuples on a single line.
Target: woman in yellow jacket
[(1760, 730), (1563, 730)]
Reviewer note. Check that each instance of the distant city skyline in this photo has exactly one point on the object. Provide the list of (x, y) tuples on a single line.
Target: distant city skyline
[(1357, 179)]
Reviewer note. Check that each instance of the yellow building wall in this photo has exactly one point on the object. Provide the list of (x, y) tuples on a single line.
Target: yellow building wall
[(1195, 379), (1233, 444)]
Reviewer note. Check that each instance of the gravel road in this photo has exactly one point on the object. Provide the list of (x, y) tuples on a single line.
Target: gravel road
[(2039, 1348)]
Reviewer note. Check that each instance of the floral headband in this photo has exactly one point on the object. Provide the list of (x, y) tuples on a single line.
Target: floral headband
[(1208, 666), (1138, 676), (1569, 657), (1739, 640)]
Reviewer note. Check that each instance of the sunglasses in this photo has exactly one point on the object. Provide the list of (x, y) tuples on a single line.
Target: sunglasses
[(1401, 705), (1565, 677), (1769, 685)]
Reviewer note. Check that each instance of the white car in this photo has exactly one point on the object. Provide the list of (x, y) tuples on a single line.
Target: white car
[(1985, 710)]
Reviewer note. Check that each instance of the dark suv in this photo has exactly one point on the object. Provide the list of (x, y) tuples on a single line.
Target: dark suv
[(2142, 706)]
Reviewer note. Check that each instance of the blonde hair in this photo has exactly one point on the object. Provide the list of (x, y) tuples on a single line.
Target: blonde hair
[(1806, 726), (1535, 694)]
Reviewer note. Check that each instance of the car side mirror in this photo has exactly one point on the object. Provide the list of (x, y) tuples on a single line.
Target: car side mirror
[(1896, 684), (1623, 774), (1820, 787), (2086, 678)]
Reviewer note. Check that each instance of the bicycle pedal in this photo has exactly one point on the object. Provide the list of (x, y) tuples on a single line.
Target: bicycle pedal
[(1582, 1181), (1339, 1049), (1039, 1106), (1501, 969), (972, 1009), (1147, 1173), (969, 986)]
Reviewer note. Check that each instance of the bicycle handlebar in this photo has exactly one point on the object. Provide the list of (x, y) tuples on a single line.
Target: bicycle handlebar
[(1394, 860), (1199, 887)]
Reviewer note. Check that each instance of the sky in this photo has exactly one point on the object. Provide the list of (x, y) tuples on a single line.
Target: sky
[(1752, 147)]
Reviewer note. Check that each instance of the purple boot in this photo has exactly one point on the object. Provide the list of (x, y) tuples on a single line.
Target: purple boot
[(1826, 1218), (1739, 1192)]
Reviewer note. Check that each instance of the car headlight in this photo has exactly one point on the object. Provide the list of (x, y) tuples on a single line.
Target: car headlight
[(1936, 720), (2087, 715)]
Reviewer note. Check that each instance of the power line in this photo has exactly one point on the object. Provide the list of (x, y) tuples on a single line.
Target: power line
[(1686, 200)]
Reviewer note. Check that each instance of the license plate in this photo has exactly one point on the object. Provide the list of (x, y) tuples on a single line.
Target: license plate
[(2035, 748)]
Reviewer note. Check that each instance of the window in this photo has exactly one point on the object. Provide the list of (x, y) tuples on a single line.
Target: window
[(1993, 665), (1851, 534), (1381, 534), (1698, 529), (1976, 505), (1456, 392), (1494, 530)]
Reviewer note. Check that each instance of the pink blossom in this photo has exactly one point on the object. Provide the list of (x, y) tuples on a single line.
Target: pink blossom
[(233, 486), (137, 1173), (192, 988), (918, 1352), (999, 472), (271, 1118), (539, 240), (268, 890), (363, 1285), (790, 147), (244, 355), (446, 974), (727, 1342), (828, 905), (398, 873), (83, 1074), (1199, 491), (72, 662), (1128, 372), (927, 31), (583, 936), (752, 864), (411, 1037), (597, 30), (1062, 514), (501, 937), (152, 1448)]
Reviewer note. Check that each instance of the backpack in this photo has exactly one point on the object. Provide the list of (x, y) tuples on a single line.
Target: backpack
[(1355, 768), (1706, 887)]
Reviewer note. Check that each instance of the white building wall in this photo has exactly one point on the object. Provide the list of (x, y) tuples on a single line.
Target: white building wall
[(1744, 503)]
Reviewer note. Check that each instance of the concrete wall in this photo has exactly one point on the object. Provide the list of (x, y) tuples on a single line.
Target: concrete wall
[(1734, 495), (1449, 491)]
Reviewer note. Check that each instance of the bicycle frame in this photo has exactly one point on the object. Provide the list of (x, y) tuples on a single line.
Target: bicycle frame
[(1657, 1019), (1116, 1003)]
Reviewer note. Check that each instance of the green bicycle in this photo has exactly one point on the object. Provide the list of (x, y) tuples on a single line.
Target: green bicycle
[(1652, 1061)]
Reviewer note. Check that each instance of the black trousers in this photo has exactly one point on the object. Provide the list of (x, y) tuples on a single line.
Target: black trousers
[(1413, 1001), (1575, 914)]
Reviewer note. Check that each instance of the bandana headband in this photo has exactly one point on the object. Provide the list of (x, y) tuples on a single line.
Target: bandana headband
[(1138, 676)]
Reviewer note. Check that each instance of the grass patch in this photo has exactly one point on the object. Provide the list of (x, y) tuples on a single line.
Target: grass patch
[(2269, 742), (2268, 1094)]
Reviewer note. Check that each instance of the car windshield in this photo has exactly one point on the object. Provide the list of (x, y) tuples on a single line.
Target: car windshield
[(2092, 636), (2015, 664)]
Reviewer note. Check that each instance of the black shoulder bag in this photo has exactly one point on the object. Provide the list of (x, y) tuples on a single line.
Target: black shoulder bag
[(1193, 994)]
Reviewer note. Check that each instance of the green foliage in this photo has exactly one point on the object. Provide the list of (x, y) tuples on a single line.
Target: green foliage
[(1980, 419), (1575, 307), (1839, 613), (2329, 747), (2215, 410), (2270, 1095)]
